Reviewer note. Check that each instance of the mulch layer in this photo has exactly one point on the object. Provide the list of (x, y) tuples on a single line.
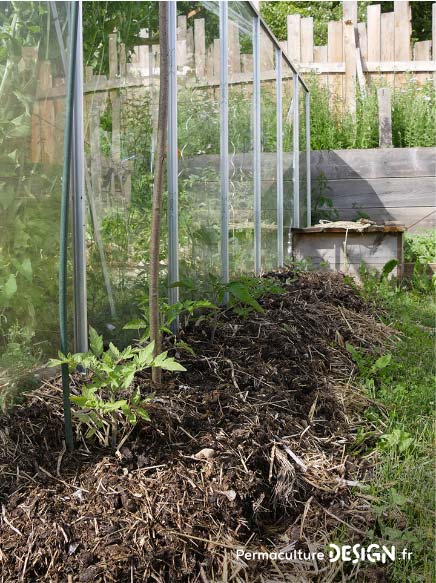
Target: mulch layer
[(251, 448)]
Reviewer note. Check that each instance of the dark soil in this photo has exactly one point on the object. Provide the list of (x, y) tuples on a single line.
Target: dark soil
[(271, 395)]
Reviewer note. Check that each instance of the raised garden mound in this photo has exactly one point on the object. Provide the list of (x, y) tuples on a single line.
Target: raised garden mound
[(271, 396)]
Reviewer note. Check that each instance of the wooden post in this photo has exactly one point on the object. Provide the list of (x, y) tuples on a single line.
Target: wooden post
[(294, 37), (350, 26), (384, 117)]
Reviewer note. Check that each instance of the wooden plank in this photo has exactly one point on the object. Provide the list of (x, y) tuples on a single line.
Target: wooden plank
[(216, 58), (374, 32), (422, 52), (123, 61), (47, 117), (200, 47), (306, 52), (383, 192), (433, 36), (234, 50), (384, 117), (373, 163), (181, 49), (433, 29), (415, 219), (190, 61), (387, 31), (387, 25), (363, 40), (247, 64), (350, 27), (293, 22), (402, 31), (113, 57), (335, 53), (320, 56)]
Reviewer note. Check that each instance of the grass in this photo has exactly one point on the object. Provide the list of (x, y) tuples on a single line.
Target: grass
[(413, 118), (402, 488)]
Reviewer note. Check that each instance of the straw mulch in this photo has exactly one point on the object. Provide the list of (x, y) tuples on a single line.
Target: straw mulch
[(271, 400)]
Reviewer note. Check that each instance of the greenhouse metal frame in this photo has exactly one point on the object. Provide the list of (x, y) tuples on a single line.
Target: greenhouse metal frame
[(290, 199), (79, 280)]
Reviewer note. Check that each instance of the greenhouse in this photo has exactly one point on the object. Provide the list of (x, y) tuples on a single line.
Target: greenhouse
[(237, 175), (217, 277)]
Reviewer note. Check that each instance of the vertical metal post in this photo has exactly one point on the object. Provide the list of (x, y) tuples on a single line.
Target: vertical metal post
[(279, 121), (173, 165), (257, 147), (296, 146), (224, 140), (309, 183), (78, 200)]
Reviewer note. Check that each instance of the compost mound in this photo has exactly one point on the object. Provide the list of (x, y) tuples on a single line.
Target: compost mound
[(247, 449)]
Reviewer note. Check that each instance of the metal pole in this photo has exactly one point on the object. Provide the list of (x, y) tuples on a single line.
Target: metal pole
[(256, 148), (173, 165), (296, 146), (279, 120), (78, 201), (224, 141), (63, 234), (309, 183)]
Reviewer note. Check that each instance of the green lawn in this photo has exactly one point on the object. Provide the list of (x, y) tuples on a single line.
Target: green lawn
[(401, 491)]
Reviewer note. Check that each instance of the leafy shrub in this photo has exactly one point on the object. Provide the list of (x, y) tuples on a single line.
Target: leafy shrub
[(413, 118), (420, 247), (110, 393)]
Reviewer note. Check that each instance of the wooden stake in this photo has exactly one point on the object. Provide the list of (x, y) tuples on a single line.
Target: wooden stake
[(159, 168)]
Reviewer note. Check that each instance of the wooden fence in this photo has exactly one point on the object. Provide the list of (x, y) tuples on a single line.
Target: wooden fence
[(357, 53)]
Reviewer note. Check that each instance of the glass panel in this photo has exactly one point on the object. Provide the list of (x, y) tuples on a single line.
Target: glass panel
[(198, 62), (288, 160), (31, 158), (120, 131), (268, 108), (241, 189), (302, 156)]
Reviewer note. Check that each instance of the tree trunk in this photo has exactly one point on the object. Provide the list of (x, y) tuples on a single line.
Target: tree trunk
[(160, 155)]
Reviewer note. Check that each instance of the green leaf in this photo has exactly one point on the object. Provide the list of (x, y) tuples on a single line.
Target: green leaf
[(145, 355), (53, 362), (171, 364), (382, 362), (135, 324), (113, 350), (10, 287), (389, 267), (95, 341), (143, 414), (113, 406), (26, 269)]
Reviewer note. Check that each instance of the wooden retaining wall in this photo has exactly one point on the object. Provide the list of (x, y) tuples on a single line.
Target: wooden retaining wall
[(392, 184)]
